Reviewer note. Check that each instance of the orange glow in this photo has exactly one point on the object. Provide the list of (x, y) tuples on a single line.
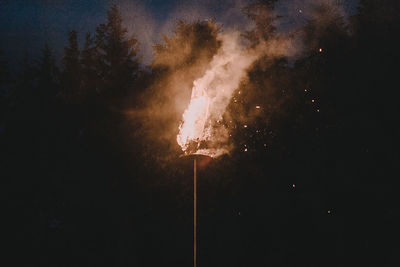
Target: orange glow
[(202, 130)]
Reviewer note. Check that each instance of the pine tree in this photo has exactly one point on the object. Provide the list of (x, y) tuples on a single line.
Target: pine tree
[(4, 74), (4, 79), (89, 60), (118, 63), (48, 74), (71, 75)]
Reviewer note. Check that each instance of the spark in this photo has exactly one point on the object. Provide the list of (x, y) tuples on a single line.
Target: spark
[(245, 126), (312, 100), (293, 185), (305, 90), (245, 150), (258, 107), (317, 110), (320, 50), (329, 211)]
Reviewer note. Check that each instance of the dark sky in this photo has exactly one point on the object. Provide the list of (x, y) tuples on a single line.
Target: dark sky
[(25, 25)]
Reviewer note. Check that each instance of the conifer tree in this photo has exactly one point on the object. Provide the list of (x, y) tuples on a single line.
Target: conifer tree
[(118, 61), (89, 60), (71, 75), (48, 74)]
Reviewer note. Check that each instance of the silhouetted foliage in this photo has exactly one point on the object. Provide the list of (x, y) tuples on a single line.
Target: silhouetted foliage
[(89, 60), (261, 13), (71, 76), (4, 89), (47, 75), (92, 170), (118, 62)]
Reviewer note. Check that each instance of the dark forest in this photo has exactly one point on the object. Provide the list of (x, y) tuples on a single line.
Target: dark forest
[(92, 174)]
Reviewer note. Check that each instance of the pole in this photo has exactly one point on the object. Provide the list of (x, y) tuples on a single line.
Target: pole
[(194, 213)]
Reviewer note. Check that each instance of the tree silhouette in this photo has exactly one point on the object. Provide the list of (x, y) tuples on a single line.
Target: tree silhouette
[(48, 75), (189, 44), (4, 74), (261, 12), (118, 64), (71, 75), (4, 90), (89, 61)]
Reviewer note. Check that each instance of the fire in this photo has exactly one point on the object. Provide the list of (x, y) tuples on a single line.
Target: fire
[(202, 130), (194, 120)]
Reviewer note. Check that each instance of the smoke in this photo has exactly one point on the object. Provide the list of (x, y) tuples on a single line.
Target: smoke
[(207, 69), (149, 27), (202, 130)]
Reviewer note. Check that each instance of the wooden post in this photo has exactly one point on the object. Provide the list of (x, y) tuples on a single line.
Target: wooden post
[(194, 213)]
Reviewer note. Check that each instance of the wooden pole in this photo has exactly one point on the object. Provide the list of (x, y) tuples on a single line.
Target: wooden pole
[(194, 213)]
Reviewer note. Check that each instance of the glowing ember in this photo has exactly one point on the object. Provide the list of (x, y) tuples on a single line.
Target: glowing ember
[(202, 130)]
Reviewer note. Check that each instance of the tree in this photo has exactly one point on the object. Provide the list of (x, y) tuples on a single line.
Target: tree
[(118, 63), (261, 13), (71, 75), (48, 74), (190, 43), (4, 80), (4, 74), (89, 64)]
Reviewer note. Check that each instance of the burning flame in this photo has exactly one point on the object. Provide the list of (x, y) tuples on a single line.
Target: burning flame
[(194, 120), (202, 130)]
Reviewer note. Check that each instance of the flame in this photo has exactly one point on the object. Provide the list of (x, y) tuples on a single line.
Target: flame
[(194, 120), (202, 130)]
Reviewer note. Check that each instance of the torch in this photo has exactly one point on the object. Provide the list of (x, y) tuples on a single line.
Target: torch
[(202, 131)]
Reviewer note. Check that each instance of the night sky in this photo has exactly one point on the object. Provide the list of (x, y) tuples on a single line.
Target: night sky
[(26, 25)]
